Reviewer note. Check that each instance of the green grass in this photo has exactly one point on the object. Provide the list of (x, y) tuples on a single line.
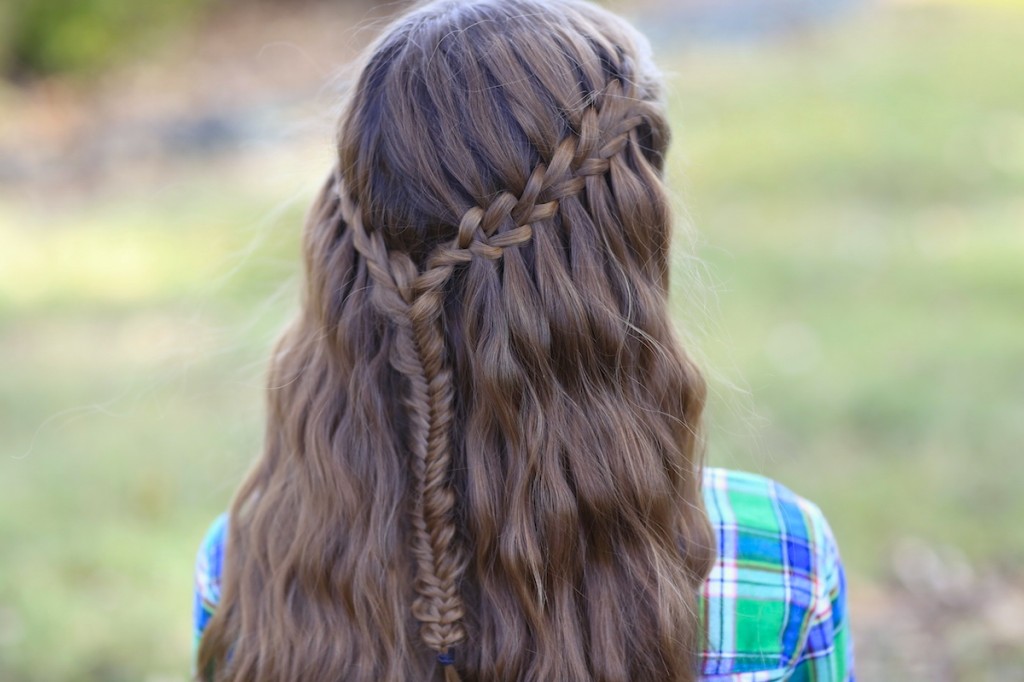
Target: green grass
[(859, 197), (858, 194)]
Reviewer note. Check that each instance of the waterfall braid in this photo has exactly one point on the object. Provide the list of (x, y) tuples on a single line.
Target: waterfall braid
[(482, 457)]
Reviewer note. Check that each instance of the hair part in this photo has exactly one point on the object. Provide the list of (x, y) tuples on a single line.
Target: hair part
[(482, 450)]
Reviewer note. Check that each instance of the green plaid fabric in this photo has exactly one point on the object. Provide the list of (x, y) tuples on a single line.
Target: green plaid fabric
[(773, 608)]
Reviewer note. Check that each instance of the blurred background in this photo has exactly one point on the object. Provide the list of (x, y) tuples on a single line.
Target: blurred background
[(849, 180)]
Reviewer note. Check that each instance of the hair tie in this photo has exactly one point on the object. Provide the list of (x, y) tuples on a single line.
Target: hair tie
[(446, 658)]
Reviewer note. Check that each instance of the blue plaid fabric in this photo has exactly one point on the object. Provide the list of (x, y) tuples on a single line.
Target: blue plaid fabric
[(209, 567), (773, 607)]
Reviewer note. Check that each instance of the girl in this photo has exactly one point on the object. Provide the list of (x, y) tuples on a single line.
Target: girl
[(482, 455)]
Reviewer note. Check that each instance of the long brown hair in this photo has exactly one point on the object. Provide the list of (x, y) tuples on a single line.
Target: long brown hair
[(482, 449)]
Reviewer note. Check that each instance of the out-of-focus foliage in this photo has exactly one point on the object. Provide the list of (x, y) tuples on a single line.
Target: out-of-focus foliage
[(39, 37)]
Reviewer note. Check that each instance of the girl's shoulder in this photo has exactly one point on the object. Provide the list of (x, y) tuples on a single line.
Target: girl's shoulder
[(209, 566), (743, 501), (775, 601)]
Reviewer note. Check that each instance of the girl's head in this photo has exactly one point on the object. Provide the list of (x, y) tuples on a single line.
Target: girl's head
[(481, 453)]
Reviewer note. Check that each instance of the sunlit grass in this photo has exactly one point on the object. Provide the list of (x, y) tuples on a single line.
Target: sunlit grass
[(863, 226), (131, 252)]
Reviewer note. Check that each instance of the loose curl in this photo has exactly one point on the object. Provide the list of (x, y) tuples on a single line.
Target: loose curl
[(482, 457)]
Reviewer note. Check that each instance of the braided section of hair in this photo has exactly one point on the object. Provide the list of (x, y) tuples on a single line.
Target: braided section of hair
[(413, 300), (418, 355)]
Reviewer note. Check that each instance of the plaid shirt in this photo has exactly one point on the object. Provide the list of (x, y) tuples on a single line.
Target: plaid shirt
[(773, 608)]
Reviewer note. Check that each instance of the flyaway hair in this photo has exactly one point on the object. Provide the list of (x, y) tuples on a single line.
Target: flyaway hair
[(482, 458)]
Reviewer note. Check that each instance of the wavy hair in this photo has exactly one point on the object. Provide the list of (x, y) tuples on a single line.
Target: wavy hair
[(482, 456)]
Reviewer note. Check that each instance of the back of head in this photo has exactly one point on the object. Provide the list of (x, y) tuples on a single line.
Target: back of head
[(481, 453)]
